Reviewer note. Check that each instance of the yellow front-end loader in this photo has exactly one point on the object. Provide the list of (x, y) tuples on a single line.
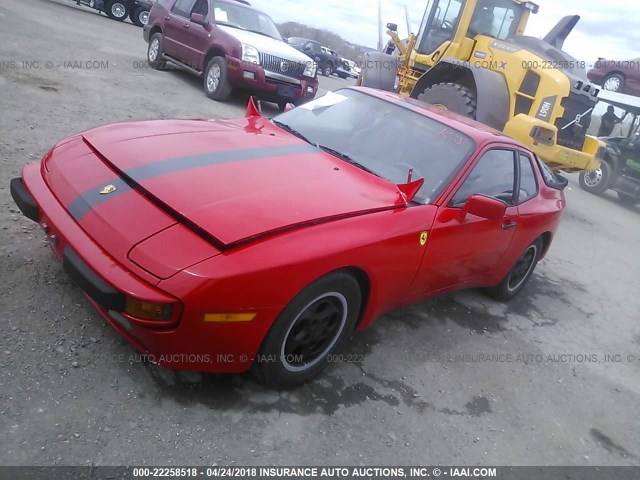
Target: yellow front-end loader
[(472, 57)]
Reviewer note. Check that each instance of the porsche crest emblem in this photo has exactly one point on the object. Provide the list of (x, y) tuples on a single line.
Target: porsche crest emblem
[(107, 189), (424, 236)]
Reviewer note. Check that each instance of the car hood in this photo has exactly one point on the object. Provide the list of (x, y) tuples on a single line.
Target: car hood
[(267, 45), (235, 181)]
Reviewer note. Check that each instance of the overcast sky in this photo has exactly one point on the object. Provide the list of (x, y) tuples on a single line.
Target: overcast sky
[(608, 28)]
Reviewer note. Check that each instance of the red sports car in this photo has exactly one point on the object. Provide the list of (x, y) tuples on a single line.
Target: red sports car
[(229, 245)]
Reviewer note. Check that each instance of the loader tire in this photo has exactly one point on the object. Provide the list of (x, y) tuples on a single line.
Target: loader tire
[(452, 97)]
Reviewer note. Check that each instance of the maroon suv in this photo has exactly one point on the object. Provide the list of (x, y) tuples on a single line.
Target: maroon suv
[(231, 45)]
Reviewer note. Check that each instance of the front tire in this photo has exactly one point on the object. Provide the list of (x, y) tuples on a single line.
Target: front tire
[(216, 83), (453, 97), (117, 9), (614, 82), (327, 71), (596, 181), (519, 275), (154, 52), (308, 331)]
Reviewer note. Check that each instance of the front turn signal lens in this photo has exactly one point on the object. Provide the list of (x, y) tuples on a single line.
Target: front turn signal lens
[(148, 310), (228, 317)]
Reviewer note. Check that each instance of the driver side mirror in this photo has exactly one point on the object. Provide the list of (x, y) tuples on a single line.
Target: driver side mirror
[(484, 207), (198, 19)]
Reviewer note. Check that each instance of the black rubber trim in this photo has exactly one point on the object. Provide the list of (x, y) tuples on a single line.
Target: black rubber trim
[(99, 290), (23, 199)]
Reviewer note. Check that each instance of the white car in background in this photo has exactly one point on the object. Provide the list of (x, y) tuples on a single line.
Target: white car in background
[(347, 69)]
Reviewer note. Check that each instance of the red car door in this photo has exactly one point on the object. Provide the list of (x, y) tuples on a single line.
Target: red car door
[(176, 29), (534, 211), (470, 251)]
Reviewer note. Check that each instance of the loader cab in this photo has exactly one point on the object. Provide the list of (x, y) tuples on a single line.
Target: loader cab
[(456, 21)]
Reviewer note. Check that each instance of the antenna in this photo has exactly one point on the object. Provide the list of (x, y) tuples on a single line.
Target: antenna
[(380, 43), (406, 14)]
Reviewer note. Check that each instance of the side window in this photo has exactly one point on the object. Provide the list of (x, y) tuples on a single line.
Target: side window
[(201, 7), (550, 178), (528, 183), (493, 175), (439, 24), (183, 8)]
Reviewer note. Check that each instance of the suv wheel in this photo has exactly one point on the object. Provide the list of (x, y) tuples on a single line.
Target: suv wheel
[(154, 52), (216, 83), (117, 9), (327, 71), (140, 16)]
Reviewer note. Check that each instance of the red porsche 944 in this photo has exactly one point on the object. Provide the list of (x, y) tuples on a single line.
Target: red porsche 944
[(229, 245)]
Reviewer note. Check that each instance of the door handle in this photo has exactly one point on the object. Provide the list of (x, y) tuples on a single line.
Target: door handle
[(434, 57), (509, 225), (167, 18), (186, 25)]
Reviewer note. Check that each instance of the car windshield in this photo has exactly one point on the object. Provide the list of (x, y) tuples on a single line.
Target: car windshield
[(299, 42), (389, 140), (244, 17)]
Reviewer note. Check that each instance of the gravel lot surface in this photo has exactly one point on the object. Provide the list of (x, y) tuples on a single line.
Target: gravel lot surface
[(73, 392)]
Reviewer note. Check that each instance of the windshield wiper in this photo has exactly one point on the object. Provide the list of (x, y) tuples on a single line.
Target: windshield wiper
[(260, 33), (293, 131), (335, 153), (232, 25), (347, 158)]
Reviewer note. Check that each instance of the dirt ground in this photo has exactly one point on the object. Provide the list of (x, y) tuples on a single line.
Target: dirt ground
[(552, 378)]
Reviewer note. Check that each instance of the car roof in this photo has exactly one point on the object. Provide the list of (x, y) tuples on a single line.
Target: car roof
[(476, 130), (620, 100)]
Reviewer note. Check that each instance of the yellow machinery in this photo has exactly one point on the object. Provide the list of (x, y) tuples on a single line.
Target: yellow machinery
[(471, 57)]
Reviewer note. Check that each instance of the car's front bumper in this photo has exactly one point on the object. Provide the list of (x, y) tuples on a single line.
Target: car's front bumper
[(270, 86), (190, 345)]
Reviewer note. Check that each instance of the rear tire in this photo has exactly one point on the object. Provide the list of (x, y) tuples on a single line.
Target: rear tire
[(140, 16), (313, 326), (216, 82), (117, 9), (598, 181), (519, 275), (614, 82), (453, 97)]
